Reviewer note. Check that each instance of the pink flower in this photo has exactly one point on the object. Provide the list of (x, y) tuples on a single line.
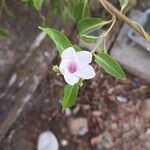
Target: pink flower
[(75, 65)]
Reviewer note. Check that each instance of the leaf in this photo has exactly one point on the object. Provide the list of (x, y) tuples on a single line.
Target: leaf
[(88, 38), (8, 11), (70, 95), (89, 25), (38, 4), (76, 48), (60, 40), (110, 65), (3, 32), (123, 3), (81, 10)]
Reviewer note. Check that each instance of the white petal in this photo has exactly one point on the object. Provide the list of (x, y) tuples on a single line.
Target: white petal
[(87, 72), (70, 78), (47, 141), (63, 66), (84, 58), (69, 54)]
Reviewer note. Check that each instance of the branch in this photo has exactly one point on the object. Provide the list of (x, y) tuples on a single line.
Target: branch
[(113, 11)]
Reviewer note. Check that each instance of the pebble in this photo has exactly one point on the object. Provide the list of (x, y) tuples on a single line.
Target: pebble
[(146, 109), (67, 112), (96, 140), (114, 126), (78, 126), (76, 109), (126, 127), (96, 113), (47, 141), (12, 80), (83, 131), (148, 132), (64, 142), (122, 99)]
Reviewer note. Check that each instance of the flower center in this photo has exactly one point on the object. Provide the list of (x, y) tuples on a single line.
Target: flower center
[(72, 67)]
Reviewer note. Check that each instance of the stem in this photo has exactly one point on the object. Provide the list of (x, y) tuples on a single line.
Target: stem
[(113, 11), (104, 35)]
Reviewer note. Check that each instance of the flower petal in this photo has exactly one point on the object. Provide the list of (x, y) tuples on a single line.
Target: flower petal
[(70, 78), (63, 66), (87, 72), (84, 58), (68, 54)]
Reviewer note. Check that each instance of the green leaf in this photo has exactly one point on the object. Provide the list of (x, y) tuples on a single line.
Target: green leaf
[(110, 65), (81, 10), (88, 38), (76, 48), (8, 11), (70, 95), (60, 40), (89, 25), (123, 3), (38, 4), (3, 32)]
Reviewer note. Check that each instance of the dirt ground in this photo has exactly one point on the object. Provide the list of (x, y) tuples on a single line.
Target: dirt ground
[(112, 123), (109, 113)]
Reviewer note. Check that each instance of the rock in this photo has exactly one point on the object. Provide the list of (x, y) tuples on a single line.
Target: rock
[(68, 112), (64, 142), (106, 141), (148, 132), (146, 109), (122, 99), (78, 126), (126, 127), (131, 56), (47, 141), (114, 126), (96, 113), (96, 140), (76, 109)]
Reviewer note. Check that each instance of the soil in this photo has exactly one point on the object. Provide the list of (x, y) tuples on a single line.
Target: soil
[(126, 124)]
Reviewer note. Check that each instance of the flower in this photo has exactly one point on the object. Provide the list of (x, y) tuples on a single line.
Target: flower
[(75, 65)]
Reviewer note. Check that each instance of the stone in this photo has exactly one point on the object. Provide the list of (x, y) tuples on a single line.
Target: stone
[(96, 140), (47, 141), (130, 55), (68, 112), (64, 142), (78, 126), (148, 132), (126, 127), (122, 99), (146, 109)]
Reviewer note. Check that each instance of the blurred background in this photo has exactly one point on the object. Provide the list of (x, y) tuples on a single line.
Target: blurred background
[(109, 114)]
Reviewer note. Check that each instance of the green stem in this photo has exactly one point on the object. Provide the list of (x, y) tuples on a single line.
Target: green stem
[(104, 35)]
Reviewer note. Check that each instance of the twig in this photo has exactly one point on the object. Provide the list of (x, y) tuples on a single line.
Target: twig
[(113, 11)]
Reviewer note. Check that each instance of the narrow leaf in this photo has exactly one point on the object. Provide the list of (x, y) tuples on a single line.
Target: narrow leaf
[(110, 65), (81, 10), (60, 40), (89, 25), (38, 4), (123, 3), (3, 32), (88, 38), (70, 95)]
